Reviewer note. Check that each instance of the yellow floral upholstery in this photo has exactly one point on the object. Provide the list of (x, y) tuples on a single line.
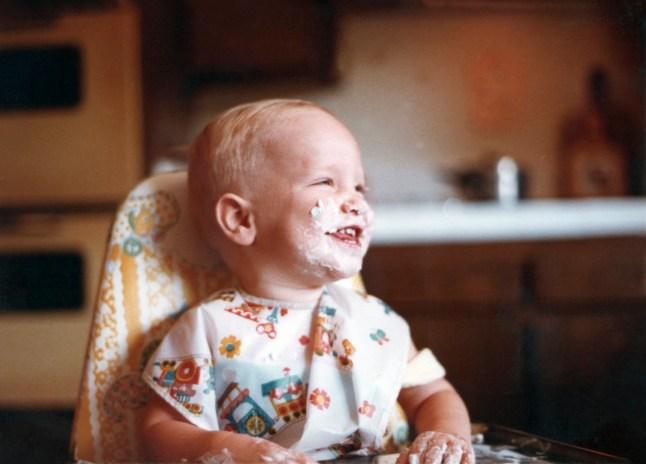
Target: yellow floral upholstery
[(155, 267)]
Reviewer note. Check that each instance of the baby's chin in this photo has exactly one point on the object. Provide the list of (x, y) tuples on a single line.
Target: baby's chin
[(331, 272), (328, 263)]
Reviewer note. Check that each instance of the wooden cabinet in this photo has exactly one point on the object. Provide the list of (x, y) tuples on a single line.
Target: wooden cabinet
[(596, 272), (260, 38), (460, 301), (471, 276), (545, 335), (586, 367)]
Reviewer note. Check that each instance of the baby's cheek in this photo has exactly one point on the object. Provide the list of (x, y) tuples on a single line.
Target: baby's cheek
[(325, 214)]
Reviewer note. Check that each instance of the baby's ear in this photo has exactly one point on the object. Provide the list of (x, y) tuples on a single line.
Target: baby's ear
[(235, 218)]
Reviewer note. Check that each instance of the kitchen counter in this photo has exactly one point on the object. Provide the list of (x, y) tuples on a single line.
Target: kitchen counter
[(456, 221)]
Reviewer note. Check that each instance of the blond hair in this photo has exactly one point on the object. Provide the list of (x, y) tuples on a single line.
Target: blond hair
[(226, 153)]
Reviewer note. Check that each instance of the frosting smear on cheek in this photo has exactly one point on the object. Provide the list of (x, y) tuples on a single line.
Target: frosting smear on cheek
[(329, 246)]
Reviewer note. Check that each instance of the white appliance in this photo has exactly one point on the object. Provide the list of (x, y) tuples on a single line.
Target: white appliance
[(70, 150), (49, 271), (70, 110)]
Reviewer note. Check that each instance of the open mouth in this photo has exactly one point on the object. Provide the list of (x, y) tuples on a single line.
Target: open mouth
[(350, 234)]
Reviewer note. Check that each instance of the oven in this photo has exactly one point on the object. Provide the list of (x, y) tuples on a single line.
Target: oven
[(70, 109), (49, 271), (70, 150)]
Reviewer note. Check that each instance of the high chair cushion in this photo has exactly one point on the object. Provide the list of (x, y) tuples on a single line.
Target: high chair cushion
[(155, 267)]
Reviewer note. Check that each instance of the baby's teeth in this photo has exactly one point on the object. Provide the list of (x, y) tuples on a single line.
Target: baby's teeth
[(347, 231)]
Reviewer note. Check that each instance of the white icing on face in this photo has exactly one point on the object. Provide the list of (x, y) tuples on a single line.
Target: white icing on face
[(317, 210), (337, 240)]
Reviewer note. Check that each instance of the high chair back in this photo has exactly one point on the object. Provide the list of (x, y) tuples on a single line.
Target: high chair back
[(155, 267)]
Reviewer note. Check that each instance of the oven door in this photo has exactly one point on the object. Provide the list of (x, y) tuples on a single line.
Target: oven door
[(49, 270)]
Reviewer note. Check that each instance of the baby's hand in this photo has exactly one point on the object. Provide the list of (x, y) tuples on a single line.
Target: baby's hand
[(438, 448), (272, 453), (258, 451)]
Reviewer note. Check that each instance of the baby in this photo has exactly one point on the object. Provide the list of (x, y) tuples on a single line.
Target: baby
[(288, 366)]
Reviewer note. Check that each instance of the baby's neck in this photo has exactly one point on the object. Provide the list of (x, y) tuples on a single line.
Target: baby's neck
[(278, 292)]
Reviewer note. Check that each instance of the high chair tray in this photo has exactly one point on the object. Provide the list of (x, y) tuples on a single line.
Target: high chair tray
[(498, 444), (495, 444)]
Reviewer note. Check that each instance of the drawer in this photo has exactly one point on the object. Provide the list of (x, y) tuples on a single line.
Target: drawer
[(473, 275), (603, 270)]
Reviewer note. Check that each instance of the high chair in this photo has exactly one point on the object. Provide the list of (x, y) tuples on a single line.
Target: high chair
[(155, 267)]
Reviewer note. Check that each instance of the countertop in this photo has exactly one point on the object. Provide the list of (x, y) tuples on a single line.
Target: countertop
[(456, 221)]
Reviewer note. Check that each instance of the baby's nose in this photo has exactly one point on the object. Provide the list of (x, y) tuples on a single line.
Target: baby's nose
[(356, 206)]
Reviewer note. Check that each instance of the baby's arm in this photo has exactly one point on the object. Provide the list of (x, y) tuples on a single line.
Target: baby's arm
[(441, 421), (168, 437)]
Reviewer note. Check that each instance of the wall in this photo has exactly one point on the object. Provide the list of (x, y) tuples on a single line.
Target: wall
[(432, 92)]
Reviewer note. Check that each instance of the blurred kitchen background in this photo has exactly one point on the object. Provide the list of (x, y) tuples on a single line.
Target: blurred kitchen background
[(533, 296)]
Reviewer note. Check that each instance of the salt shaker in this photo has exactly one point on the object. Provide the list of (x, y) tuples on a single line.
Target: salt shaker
[(507, 181)]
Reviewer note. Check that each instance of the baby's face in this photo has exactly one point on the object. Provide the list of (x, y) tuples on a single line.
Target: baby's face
[(314, 224)]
